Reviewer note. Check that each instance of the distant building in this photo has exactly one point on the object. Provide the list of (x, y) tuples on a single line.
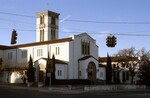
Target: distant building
[(76, 57), (121, 72)]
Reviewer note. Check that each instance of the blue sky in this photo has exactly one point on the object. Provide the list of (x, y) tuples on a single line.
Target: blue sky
[(128, 11)]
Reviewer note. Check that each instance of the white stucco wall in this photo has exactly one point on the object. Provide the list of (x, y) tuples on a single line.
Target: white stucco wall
[(61, 71), (75, 52), (82, 70), (83, 66), (102, 73), (68, 51)]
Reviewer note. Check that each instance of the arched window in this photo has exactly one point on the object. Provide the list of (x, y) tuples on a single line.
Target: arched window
[(41, 19), (42, 35), (85, 48)]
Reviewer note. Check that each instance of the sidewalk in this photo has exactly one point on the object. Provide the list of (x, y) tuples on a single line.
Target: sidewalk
[(71, 89), (53, 89)]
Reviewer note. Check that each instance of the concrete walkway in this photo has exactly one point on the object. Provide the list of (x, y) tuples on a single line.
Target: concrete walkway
[(69, 89), (53, 89)]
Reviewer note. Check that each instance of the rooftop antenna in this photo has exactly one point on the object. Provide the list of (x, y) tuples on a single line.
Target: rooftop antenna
[(47, 5)]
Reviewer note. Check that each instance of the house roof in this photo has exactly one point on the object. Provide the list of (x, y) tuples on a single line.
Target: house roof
[(2, 47), (36, 43), (57, 61), (82, 34), (118, 59), (101, 65), (86, 57), (47, 12), (15, 69)]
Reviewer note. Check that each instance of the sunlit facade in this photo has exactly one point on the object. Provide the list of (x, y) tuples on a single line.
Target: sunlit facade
[(76, 56)]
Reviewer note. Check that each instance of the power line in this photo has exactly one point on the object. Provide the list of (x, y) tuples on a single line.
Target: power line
[(9, 20), (126, 34), (17, 15), (102, 22), (74, 32), (121, 34), (84, 21)]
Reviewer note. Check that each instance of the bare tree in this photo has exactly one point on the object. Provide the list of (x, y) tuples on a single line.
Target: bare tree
[(128, 60)]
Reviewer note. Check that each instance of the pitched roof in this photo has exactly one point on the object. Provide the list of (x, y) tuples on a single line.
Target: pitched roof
[(37, 43), (57, 61), (86, 57), (101, 65), (15, 68), (2, 47), (47, 12), (118, 59)]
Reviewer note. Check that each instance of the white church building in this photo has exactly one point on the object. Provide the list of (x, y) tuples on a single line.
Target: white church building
[(76, 57)]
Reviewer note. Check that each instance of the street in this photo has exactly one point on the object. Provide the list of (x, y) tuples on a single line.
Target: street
[(27, 93)]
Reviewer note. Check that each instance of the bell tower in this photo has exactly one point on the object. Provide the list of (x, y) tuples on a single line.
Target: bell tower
[(47, 26)]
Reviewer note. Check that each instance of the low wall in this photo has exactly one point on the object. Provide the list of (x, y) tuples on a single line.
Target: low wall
[(114, 87)]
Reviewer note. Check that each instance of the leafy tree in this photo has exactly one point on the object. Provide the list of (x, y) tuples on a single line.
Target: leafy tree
[(54, 69), (48, 68), (30, 71), (144, 70)]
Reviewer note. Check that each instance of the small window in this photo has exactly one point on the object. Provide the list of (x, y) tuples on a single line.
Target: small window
[(57, 50), (41, 19), (101, 74), (85, 48), (59, 72), (79, 73), (53, 20), (10, 55), (39, 52), (53, 36), (42, 35), (24, 54)]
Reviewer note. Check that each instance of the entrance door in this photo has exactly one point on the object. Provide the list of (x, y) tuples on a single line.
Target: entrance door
[(41, 76), (41, 73), (92, 71)]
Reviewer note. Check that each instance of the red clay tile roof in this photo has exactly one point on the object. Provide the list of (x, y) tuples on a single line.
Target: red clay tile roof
[(118, 59), (15, 69), (2, 47), (57, 61), (36, 43), (86, 57)]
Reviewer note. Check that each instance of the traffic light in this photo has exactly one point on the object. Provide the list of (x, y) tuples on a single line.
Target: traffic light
[(108, 41), (14, 37), (114, 41), (111, 41)]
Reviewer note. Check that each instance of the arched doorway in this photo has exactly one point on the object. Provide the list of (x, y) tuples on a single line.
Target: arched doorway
[(91, 71), (41, 73)]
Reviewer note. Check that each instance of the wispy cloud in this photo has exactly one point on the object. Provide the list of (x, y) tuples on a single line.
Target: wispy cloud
[(104, 33), (66, 30), (101, 34), (62, 20)]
